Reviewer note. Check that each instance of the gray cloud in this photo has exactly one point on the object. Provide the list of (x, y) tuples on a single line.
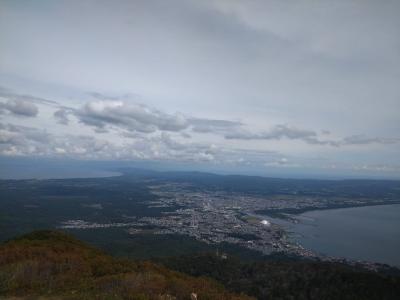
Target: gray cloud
[(20, 107), (276, 133), (142, 118), (214, 126), (317, 141), (109, 97), (61, 115), (353, 140), (23, 104), (134, 117), (167, 147), (308, 136), (18, 134), (364, 140), (21, 140)]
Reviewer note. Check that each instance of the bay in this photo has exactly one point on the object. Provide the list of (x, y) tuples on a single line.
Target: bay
[(370, 233)]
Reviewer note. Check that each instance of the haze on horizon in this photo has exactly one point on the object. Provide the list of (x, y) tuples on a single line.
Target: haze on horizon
[(262, 87)]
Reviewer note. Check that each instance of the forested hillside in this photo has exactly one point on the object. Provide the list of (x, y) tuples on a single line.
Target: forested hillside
[(54, 265), (281, 278)]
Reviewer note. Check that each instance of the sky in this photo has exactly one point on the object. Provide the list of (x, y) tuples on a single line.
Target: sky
[(255, 87)]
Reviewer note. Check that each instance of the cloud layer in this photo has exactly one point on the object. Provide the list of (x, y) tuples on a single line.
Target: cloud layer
[(269, 84)]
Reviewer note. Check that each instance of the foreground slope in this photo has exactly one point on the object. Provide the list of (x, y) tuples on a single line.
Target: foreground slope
[(53, 265)]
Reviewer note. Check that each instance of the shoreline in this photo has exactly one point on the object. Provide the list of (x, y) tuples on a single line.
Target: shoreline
[(283, 213)]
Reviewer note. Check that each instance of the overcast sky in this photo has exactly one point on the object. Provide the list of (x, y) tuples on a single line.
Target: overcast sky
[(270, 86)]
